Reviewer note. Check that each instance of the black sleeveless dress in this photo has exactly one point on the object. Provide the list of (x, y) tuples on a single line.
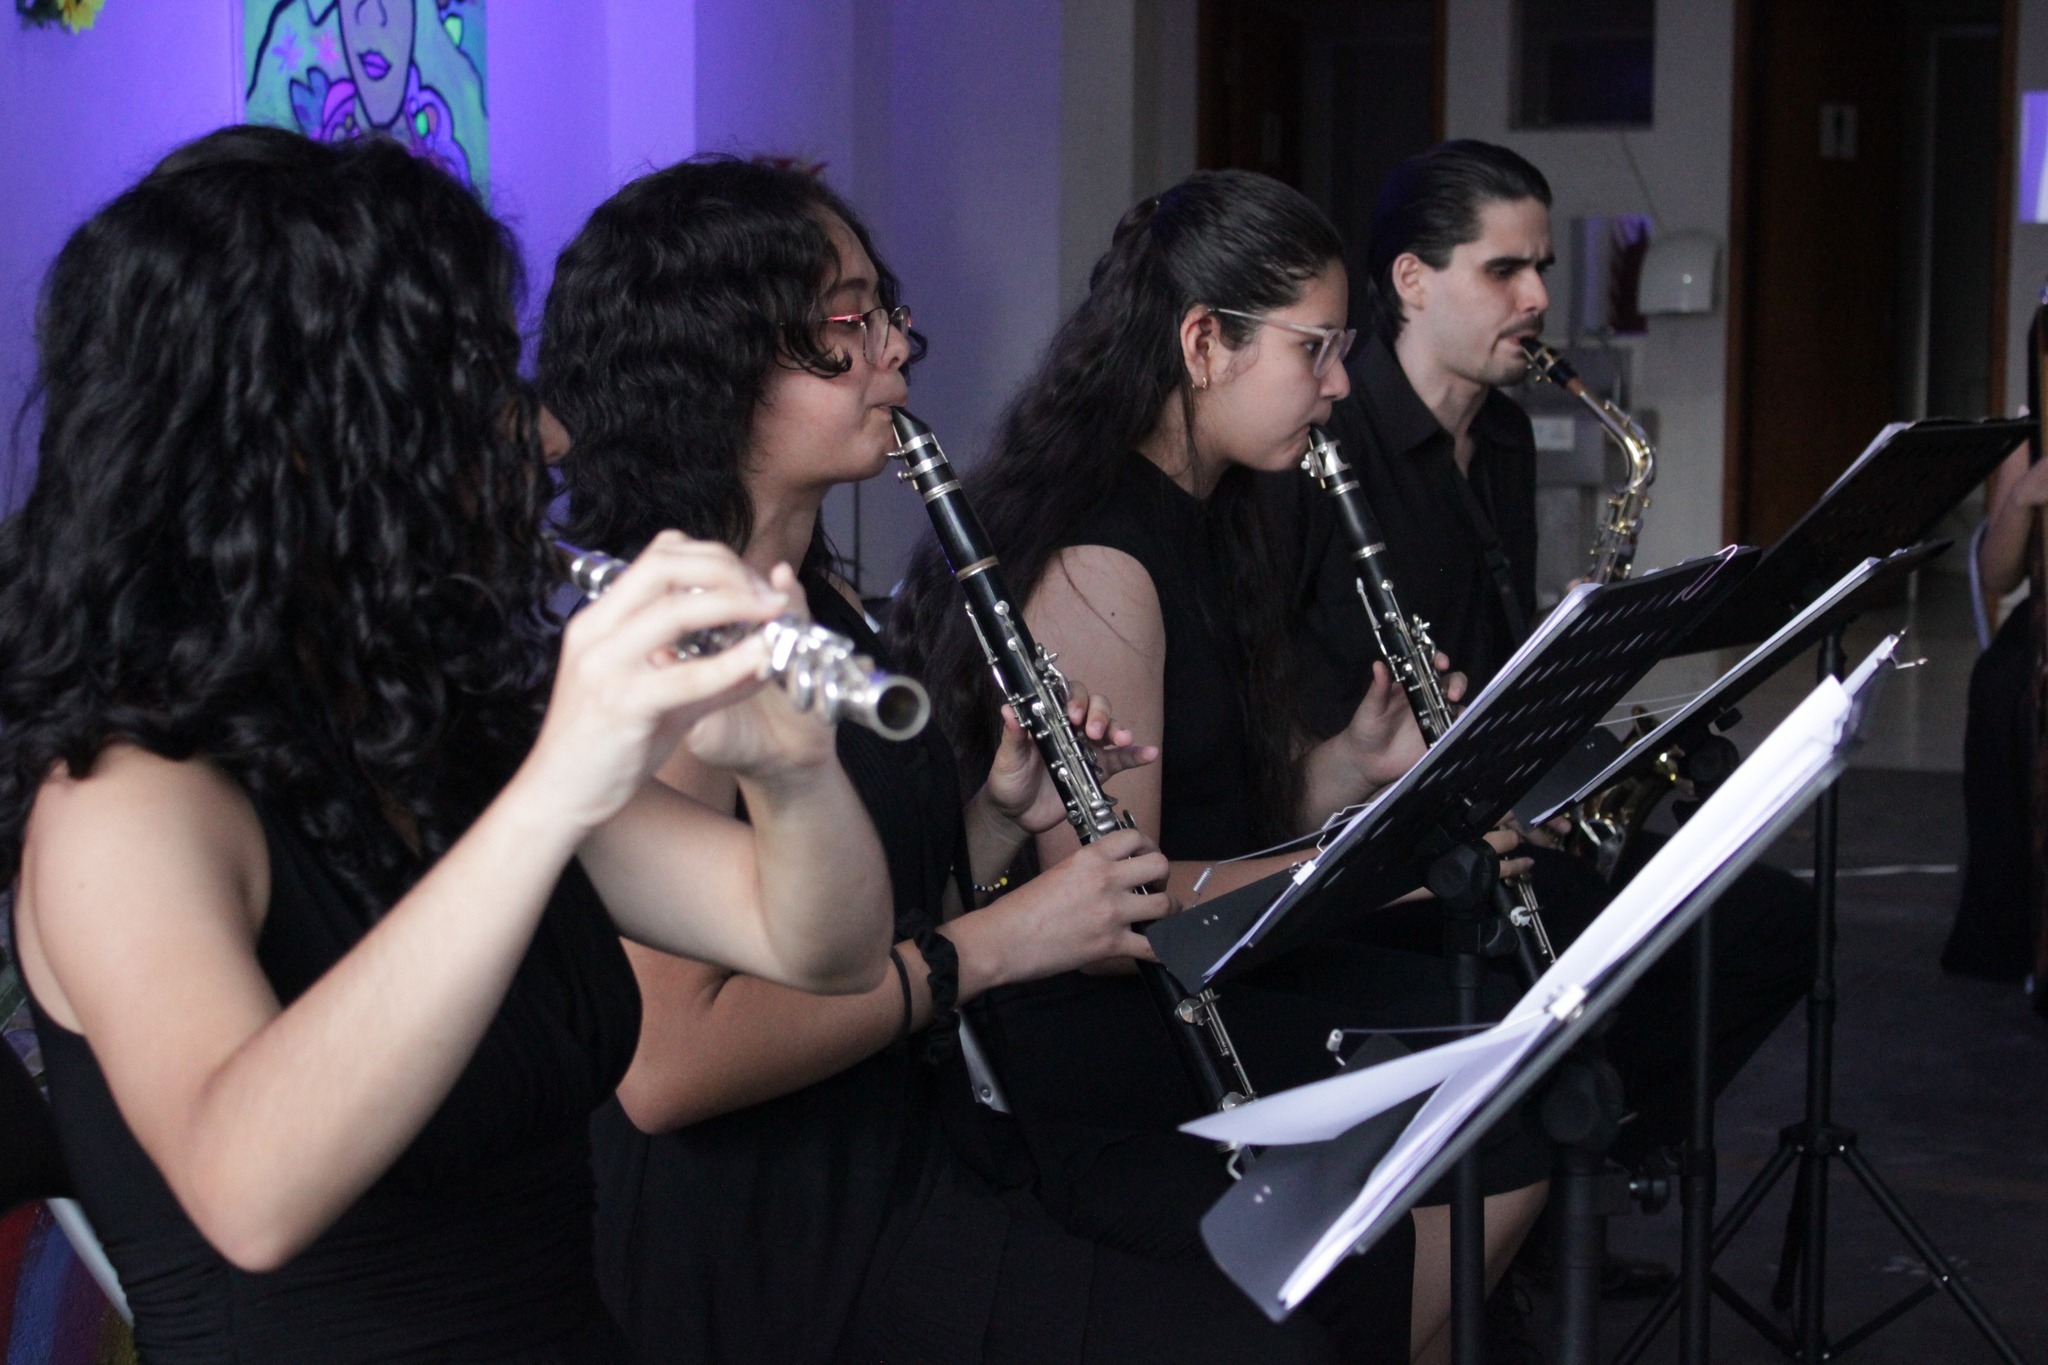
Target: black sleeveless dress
[(474, 1247), (880, 1215), (1112, 1115)]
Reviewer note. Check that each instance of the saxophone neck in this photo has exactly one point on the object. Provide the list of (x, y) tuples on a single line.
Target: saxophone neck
[(1547, 365)]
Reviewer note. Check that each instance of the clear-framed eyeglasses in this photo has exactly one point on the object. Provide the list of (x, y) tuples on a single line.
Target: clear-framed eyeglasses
[(874, 328), (1330, 346)]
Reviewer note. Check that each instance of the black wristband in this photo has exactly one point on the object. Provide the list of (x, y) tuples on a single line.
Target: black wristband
[(903, 980), (942, 978)]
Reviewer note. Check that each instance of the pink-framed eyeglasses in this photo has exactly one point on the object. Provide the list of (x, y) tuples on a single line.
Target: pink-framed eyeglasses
[(874, 327), (1330, 344)]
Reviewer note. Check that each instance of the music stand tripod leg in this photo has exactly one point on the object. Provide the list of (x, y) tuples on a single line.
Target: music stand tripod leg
[(1817, 1139), (1462, 935)]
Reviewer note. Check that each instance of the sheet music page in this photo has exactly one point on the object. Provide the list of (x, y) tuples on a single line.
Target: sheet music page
[(1464, 1073)]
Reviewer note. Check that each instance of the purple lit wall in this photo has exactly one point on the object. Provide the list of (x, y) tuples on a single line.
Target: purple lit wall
[(942, 122), (85, 115), (580, 96)]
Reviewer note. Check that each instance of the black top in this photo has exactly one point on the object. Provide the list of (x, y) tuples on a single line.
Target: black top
[(475, 1246), (1205, 765), (879, 1215), (1439, 528), (746, 1236)]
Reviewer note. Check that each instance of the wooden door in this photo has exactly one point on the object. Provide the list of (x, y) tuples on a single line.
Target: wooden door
[(1813, 371)]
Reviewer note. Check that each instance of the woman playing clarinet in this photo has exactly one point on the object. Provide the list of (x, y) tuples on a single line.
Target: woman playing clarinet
[(798, 1179), (1120, 496)]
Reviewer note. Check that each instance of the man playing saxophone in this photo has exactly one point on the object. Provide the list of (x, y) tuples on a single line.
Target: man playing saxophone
[(1447, 460)]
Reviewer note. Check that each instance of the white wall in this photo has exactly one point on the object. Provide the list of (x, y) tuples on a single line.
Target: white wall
[(1680, 369), (991, 145), (2029, 262)]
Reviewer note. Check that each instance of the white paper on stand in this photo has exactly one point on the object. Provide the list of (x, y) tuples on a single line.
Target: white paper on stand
[(1797, 754)]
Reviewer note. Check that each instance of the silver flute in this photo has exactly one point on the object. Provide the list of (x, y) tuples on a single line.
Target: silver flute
[(820, 669)]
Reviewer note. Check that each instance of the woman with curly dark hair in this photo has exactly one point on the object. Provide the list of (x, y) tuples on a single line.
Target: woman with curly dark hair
[(1121, 496), (319, 854), (724, 347)]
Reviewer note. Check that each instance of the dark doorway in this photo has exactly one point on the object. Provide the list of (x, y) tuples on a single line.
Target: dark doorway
[(1863, 273), (1328, 95)]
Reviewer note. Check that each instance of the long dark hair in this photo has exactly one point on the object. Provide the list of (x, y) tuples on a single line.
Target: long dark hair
[(1430, 205), (668, 313), (1229, 239), (287, 514)]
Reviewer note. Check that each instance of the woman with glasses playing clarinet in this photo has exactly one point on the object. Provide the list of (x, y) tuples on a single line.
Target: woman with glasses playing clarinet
[(1120, 497), (317, 883), (791, 1178)]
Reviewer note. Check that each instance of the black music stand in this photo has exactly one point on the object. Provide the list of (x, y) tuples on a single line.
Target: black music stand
[(1589, 651), (1362, 1154), (1898, 488), (1867, 584), (1893, 494), (1811, 1143), (1871, 582)]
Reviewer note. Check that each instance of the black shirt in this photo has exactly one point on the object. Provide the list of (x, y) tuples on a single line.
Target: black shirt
[(1440, 527)]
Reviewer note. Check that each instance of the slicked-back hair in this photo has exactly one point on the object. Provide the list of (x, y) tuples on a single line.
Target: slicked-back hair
[(668, 314), (1430, 205), (287, 508), (1227, 239)]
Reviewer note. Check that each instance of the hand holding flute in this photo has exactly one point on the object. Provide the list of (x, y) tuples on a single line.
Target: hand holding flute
[(819, 669)]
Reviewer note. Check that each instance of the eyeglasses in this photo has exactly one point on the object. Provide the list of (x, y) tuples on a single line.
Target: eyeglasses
[(1330, 344), (874, 328)]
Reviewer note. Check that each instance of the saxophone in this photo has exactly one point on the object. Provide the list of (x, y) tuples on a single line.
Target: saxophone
[(1037, 693), (1604, 822), (1404, 642), (1614, 548)]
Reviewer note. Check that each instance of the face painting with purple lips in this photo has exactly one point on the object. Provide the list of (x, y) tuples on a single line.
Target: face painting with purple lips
[(377, 35)]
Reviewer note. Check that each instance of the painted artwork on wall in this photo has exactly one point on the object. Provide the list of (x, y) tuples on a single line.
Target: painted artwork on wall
[(2034, 156), (339, 69)]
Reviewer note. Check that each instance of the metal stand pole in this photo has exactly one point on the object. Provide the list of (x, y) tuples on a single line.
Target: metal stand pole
[(1805, 1251), (1581, 1253), (1582, 1114), (1697, 1175), (1462, 936)]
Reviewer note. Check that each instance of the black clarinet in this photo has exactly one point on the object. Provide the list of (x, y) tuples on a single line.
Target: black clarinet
[(1037, 692), (1405, 644)]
